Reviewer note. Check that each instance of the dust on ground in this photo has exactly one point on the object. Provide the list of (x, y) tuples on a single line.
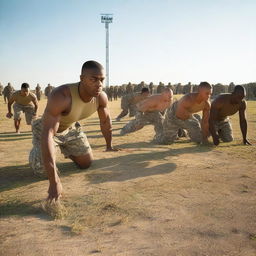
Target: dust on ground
[(146, 199)]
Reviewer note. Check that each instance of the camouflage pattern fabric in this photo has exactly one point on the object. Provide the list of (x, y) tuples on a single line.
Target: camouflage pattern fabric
[(172, 124), (132, 110), (141, 119), (224, 130), (28, 110), (71, 142)]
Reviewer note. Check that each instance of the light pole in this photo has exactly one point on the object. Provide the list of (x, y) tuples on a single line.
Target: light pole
[(107, 18)]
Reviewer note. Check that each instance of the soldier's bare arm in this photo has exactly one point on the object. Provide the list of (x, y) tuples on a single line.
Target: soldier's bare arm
[(10, 102), (212, 119), (243, 122), (105, 121), (57, 104), (205, 121)]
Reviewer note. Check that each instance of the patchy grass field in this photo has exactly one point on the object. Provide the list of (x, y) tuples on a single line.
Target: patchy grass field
[(146, 199)]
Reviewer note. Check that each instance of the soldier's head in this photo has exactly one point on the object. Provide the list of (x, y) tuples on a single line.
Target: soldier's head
[(92, 77), (205, 90), (238, 94), (145, 91), (167, 94), (24, 89), (129, 88)]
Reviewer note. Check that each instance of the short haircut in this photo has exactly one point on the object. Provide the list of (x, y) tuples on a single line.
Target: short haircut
[(239, 89), (25, 86), (205, 85), (144, 89), (91, 64), (167, 89)]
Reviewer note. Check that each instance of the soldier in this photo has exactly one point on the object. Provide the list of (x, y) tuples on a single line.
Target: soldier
[(48, 90), (38, 92), (224, 106), (66, 105), (115, 92), (180, 116), (120, 91), (7, 92), (1, 89), (149, 112), (151, 88), (218, 89), (140, 86), (110, 93), (126, 103), (160, 88), (24, 102)]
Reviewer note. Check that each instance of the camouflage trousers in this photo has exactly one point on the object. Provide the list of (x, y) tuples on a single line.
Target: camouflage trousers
[(72, 142), (141, 119), (127, 107), (172, 124), (28, 110), (224, 130)]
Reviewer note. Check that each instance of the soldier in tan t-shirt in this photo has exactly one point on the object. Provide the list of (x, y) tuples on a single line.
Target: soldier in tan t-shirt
[(24, 102), (67, 105)]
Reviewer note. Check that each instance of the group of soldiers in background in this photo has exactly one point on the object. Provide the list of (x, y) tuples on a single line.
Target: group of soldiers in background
[(128, 93), (115, 92), (8, 90)]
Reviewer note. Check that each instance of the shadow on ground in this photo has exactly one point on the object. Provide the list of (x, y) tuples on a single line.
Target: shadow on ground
[(132, 166), (16, 176), (7, 136), (19, 208)]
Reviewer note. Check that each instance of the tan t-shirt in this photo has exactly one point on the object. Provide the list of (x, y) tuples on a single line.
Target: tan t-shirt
[(79, 109), (24, 100)]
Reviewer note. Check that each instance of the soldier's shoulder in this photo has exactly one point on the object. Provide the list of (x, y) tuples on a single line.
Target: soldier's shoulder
[(32, 94)]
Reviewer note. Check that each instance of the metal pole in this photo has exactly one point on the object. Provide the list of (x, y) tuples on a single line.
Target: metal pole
[(107, 55)]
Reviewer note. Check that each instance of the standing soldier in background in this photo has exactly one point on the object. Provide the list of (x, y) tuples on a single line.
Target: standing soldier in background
[(23, 103), (140, 86), (151, 88), (38, 92), (48, 90), (110, 93), (7, 92), (120, 91), (160, 88), (1, 89), (126, 103), (115, 92)]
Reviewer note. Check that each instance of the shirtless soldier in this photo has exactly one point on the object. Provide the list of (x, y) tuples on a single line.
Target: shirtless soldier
[(66, 105), (180, 115), (24, 102), (149, 112), (223, 106)]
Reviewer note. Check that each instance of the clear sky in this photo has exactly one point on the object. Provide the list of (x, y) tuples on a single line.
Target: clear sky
[(47, 41)]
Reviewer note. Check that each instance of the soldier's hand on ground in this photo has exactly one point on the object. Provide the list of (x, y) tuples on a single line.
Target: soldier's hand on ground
[(246, 142), (54, 191), (9, 115), (216, 141)]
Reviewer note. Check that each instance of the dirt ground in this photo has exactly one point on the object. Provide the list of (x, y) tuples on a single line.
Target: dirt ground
[(181, 199)]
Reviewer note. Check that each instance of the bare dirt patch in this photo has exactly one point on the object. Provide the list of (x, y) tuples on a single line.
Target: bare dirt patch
[(147, 199)]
